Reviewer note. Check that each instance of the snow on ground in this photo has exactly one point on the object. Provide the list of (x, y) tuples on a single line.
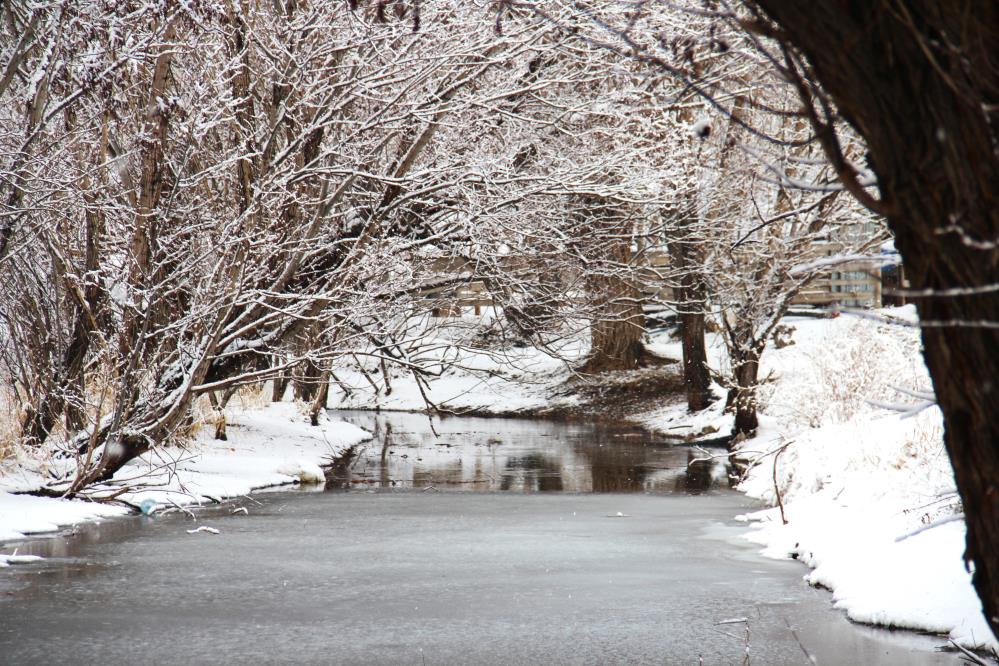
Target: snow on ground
[(269, 446), (868, 493), (25, 514), (497, 390), (673, 421), (500, 381), (868, 504)]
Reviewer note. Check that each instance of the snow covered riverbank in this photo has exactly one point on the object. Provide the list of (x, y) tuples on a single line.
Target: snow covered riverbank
[(868, 494), (267, 446), (466, 376), (870, 506)]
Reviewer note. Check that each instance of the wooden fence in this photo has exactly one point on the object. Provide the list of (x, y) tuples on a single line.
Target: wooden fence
[(849, 284)]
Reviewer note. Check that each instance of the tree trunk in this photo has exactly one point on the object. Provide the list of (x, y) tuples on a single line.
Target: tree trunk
[(279, 387), (151, 157), (616, 340), (306, 381), (742, 396), (322, 395), (691, 303), (695, 361), (35, 113), (37, 423), (690, 290), (219, 410), (66, 390), (918, 81), (617, 322)]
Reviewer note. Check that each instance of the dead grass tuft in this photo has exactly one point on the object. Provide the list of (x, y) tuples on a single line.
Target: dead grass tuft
[(623, 393)]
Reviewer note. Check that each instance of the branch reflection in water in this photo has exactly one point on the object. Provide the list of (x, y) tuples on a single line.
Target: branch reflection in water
[(517, 455)]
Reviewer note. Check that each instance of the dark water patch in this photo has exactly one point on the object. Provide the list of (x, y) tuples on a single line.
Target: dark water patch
[(501, 455)]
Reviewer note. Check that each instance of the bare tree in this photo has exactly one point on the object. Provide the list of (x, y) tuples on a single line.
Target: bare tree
[(250, 190)]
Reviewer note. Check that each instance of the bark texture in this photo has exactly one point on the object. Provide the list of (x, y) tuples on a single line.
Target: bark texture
[(618, 321), (919, 79), (742, 396), (690, 294)]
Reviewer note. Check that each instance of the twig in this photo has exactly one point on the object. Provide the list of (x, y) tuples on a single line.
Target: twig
[(969, 655), (935, 523), (178, 507), (780, 500), (797, 639), (725, 633)]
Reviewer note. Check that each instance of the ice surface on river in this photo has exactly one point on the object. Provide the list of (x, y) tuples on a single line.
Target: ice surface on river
[(375, 574)]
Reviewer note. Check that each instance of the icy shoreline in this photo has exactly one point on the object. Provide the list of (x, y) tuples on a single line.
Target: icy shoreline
[(868, 493), (267, 447)]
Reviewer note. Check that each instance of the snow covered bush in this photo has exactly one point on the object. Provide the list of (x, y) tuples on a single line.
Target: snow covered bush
[(839, 367), (865, 456)]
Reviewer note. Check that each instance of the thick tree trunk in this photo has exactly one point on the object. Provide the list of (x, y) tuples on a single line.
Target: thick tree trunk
[(618, 322), (695, 361), (616, 340), (306, 381), (919, 82), (691, 293)]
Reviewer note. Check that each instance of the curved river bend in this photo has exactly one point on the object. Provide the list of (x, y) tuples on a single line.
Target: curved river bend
[(501, 541)]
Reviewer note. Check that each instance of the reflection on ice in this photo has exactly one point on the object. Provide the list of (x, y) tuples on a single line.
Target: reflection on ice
[(486, 455)]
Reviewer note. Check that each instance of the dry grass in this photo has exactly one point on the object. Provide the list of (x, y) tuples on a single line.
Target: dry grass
[(253, 396), (8, 425), (621, 394)]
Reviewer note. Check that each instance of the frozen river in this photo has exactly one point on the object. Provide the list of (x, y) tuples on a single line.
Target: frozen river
[(499, 542)]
